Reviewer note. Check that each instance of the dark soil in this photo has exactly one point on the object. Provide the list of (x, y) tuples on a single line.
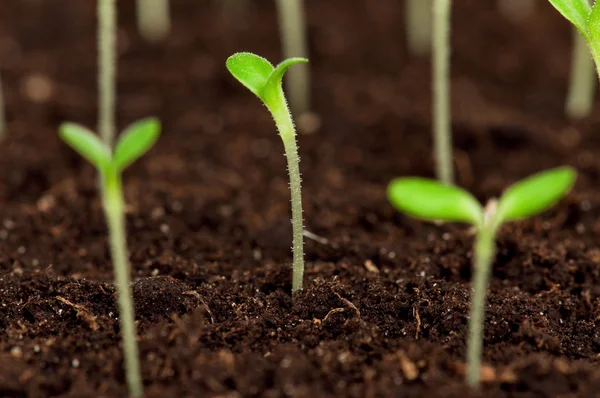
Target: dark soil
[(384, 310)]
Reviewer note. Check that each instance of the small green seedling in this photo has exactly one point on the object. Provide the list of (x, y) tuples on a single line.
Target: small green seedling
[(586, 19), (133, 143), (264, 80), (430, 200)]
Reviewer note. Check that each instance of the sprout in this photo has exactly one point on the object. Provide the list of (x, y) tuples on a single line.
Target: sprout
[(293, 39), (264, 80), (136, 140), (441, 91), (153, 19), (418, 26), (430, 200), (106, 70)]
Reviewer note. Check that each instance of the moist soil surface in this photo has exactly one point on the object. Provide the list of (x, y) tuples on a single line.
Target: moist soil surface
[(386, 298)]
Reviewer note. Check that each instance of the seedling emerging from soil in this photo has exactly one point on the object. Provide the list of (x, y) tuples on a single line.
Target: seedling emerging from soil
[(133, 143), (107, 16), (292, 29), (418, 26), (430, 200), (441, 91), (153, 19), (264, 80)]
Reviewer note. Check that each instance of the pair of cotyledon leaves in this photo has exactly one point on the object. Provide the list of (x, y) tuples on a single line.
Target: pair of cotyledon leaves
[(430, 200), (259, 75), (133, 143), (585, 17)]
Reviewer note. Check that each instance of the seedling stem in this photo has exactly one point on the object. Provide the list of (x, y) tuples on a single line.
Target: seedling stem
[(106, 70), (582, 85), (441, 91), (418, 26), (292, 27)]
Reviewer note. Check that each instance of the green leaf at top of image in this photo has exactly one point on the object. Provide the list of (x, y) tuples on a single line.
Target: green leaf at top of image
[(136, 140), (433, 201), (535, 194), (576, 11), (86, 143)]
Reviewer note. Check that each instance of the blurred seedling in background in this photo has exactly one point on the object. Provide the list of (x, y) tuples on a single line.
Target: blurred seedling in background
[(292, 32), (430, 200), (136, 140), (153, 19), (264, 80), (418, 26)]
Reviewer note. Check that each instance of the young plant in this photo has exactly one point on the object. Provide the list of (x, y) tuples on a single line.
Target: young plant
[(292, 29), (264, 80), (441, 91), (133, 143), (107, 16), (153, 19), (582, 84), (418, 26), (430, 200)]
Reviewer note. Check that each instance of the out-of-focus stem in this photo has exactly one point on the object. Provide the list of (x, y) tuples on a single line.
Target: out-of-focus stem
[(106, 70), (418, 26), (583, 80), (292, 27)]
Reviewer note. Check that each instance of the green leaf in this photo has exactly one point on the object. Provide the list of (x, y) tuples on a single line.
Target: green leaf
[(593, 30), (273, 84), (576, 11), (251, 70), (430, 200), (86, 143), (136, 140), (535, 194)]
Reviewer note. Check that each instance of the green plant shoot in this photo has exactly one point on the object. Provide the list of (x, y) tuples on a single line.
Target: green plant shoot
[(133, 143), (442, 135), (153, 19), (418, 26), (107, 16), (430, 200), (292, 29), (264, 80), (586, 19)]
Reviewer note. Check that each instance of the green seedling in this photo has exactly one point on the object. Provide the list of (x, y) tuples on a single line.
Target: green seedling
[(153, 19), (418, 26), (292, 29), (441, 92), (107, 16), (264, 80), (430, 200), (133, 143), (586, 19)]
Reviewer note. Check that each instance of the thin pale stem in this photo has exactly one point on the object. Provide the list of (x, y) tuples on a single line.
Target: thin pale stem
[(292, 27), (106, 70), (418, 26), (114, 208), (441, 91), (153, 19), (285, 125), (484, 253), (582, 85)]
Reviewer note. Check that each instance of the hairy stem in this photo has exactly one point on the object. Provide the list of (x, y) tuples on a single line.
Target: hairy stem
[(582, 85), (114, 208), (441, 91), (484, 253), (285, 125), (292, 29), (153, 19), (418, 26), (106, 70)]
